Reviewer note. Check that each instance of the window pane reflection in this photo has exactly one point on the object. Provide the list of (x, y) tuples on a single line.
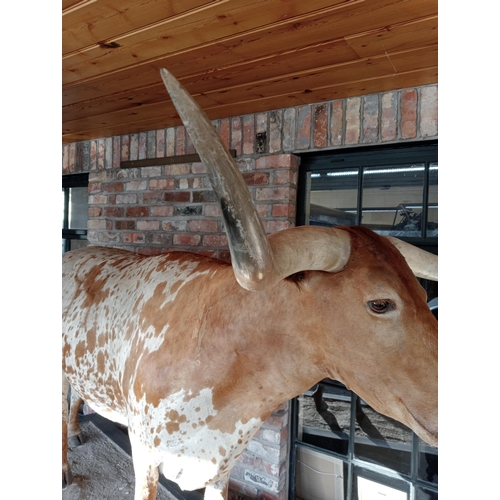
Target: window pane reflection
[(425, 494), (382, 440), (428, 462), (333, 198), (393, 199), (432, 212), (319, 476), (78, 208), (324, 418)]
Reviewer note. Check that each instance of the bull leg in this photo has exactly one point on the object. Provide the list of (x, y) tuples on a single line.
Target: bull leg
[(145, 470), (218, 490), (318, 399), (75, 435), (67, 477)]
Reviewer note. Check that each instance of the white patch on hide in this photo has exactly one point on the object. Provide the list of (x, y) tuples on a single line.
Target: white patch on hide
[(178, 435)]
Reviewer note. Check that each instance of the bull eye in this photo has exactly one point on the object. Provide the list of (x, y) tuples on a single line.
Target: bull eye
[(380, 306)]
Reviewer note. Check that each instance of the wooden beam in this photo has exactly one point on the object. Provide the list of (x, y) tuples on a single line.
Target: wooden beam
[(166, 160)]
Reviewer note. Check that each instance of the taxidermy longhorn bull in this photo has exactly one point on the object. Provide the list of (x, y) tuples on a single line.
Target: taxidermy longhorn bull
[(193, 354)]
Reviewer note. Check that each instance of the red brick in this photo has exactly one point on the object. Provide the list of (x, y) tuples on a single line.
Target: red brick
[(136, 211), (177, 197), (285, 177), (275, 125), (203, 226), (275, 194), (389, 119), (320, 133), (336, 123), (261, 122), (262, 209), (112, 187), (65, 161), (198, 168), (161, 239), (353, 120), (126, 225), (273, 226), (242, 488), (160, 143), (162, 211), (236, 135), (100, 154), (187, 240), (114, 212), (248, 135), (370, 119), (285, 210), (97, 224), (150, 171), (212, 210), (95, 187), (125, 148), (178, 169), (273, 161), (180, 140), (162, 184), (408, 114), (136, 185), (116, 152), (98, 199), (215, 241), (108, 237), (256, 178), (94, 212), (303, 127), (71, 160), (153, 197), (93, 155), (170, 142), (224, 131), (148, 225), (276, 420), (143, 145), (266, 495), (289, 117), (175, 225), (133, 238), (429, 111)]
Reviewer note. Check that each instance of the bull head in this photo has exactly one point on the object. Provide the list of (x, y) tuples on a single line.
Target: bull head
[(260, 263)]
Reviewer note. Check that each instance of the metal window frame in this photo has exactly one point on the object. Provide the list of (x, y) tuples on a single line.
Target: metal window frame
[(363, 157), (71, 181)]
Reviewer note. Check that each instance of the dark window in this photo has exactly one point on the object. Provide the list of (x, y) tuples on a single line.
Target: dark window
[(341, 447), (392, 191), (75, 211)]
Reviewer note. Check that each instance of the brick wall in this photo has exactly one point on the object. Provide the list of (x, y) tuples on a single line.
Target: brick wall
[(154, 209)]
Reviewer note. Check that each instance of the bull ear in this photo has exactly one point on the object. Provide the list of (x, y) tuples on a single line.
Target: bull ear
[(251, 254), (423, 264)]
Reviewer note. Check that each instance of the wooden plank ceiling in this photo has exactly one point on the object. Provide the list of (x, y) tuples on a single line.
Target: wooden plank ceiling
[(234, 56)]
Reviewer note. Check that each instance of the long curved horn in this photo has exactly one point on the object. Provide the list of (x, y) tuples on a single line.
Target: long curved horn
[(251, 254), (423, 264), (258, 263)]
